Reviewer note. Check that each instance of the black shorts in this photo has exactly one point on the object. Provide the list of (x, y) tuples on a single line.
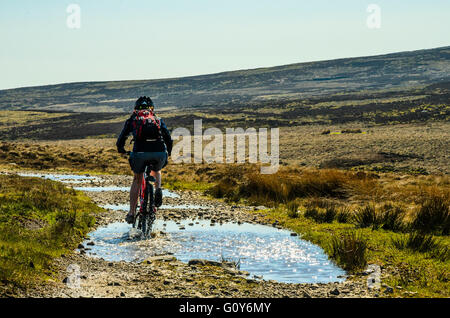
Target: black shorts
[(139, 160)]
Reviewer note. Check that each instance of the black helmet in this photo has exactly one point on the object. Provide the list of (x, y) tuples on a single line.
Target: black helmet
[(144, 102)]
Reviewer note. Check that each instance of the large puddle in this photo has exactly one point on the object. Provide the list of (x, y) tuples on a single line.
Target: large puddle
[(263, 251)]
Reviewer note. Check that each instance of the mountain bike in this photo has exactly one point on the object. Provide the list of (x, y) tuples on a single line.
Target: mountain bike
[(146, 212)]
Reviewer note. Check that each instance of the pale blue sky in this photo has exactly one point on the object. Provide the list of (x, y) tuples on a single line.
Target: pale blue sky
[(146, 39)]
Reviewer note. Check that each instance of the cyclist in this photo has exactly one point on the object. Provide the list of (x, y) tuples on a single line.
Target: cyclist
[(152, 145)]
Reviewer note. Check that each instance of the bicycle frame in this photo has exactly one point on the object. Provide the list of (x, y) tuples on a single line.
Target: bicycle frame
[(142, 193), (147, 208), (146, 178)]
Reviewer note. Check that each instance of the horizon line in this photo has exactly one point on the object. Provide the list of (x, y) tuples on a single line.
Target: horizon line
[(220, 72)]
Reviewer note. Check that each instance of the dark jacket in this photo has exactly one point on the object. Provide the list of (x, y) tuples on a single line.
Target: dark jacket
[(160, 145)]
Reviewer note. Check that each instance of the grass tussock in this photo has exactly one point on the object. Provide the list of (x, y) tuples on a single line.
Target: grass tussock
[(393, 217), (433, 216), (349, 251), (225, 188), (344, 215), (39, 220), (423, 243), (387, 217), (417, 242), (368, 216), (326, 213), (285, 187), (292, 209)]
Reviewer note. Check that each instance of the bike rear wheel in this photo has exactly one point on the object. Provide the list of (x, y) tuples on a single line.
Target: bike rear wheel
[(143, 221), (147, 219)]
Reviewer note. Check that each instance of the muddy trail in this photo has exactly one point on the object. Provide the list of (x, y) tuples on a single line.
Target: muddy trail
[(200, 248)]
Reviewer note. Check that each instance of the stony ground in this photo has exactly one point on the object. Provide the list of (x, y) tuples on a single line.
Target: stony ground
[(165, 276)]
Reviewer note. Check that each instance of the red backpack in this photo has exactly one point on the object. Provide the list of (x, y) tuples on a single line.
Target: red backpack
[(145, 125)]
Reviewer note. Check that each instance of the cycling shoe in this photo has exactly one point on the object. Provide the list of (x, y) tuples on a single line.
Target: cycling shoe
[(158, 197), (129, 219)]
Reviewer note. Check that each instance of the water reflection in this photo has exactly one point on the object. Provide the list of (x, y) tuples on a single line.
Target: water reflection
[(126, 207), (262, 250), (65, 178)]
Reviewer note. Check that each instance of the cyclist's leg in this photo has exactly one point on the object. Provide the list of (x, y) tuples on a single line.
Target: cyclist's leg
[(157, 176), (137, 164), (158, 191), (134, 192), (158, 160)]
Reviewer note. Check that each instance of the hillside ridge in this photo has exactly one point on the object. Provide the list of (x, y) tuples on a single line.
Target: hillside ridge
[(403, 70)]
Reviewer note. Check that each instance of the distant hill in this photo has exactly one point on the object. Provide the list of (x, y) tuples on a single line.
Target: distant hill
[(383, 72)]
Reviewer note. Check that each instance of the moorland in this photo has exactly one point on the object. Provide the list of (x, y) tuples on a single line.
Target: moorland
[(364, 154)]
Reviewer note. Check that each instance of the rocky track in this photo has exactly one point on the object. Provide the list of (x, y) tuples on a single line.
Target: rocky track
[(164, 275)]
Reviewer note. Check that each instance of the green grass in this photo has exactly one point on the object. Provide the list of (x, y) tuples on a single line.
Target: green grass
[(39, 220), (423, 243), (349, 251), (172, 184)]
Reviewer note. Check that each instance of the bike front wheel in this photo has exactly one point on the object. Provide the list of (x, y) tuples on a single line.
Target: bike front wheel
[(144, 225), (147, 220)]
